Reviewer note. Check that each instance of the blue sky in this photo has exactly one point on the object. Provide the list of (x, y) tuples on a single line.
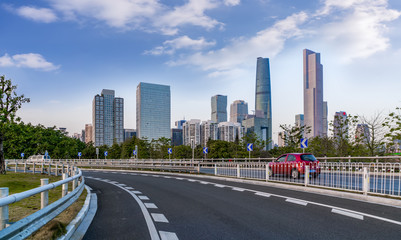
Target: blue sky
[(62, 53)]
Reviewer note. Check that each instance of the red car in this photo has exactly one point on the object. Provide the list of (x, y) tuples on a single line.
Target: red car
[(293, 164)]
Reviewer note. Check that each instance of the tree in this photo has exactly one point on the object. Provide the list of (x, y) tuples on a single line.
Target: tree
[(10, 102), (293, 135), (376, 134)]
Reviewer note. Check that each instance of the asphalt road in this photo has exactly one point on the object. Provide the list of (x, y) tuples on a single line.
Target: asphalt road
[(187, 207)]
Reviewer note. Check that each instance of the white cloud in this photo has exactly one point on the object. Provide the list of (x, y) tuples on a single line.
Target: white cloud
[(184, 42), (266, 43), (45, 15), (358, 29), (29, 60), (231, 2)]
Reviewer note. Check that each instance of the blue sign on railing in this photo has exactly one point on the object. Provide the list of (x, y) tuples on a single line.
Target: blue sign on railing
[(249, 147), (169, 150), (106, 153), (134, 152), (304, 143), (79, 154), (205, 150)]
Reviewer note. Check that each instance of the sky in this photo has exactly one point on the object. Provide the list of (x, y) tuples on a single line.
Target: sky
[(62, 53)]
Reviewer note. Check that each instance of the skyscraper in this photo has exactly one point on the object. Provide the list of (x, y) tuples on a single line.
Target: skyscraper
[(88, 133), (263, 98), (340, 125), (153, 111), (299, 120), (192, 132), (107, 118), (313, 93), (238, 111), (219, 108)]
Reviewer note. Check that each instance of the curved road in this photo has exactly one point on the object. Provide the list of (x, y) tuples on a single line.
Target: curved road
[(156, 206)]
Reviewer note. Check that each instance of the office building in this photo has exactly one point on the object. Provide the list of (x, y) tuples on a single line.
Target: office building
[(176, 136), (129, 133), (313, 93), (260, 126), (179, 123), (209, 131), (192, 132), (281, 139), (107, 118), (325, 121), (362, 133), (299, 120), (88, 133), (340, 125), (238, 111), (229, 131), (219, 108), (153, 111)]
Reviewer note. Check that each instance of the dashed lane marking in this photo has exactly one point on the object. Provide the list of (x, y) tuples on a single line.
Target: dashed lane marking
[(238, 189), (168, 235), (158, 217), (129, 188), (296, 201), (136, 192), (219, 185), (143, 197), (346, 213), (150, 205), (262, 194)]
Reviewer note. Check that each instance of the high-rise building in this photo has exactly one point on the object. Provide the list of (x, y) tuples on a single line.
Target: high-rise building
[(263, 99), (238, 111), (299, 120), (313, 93), (179, 123), (362, 133), (107, 118), (192, 132), (129, 133), (88, 133), (340, 125), (325, 120), (229, 131), (259, 126), (153, 111), (176, 136), (281, 138), (209, 131), (219, 108)]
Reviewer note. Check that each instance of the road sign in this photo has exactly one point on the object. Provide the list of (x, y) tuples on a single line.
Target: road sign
[(46, 153), (169, 150), (249, 147), (106, 153), (205, 150), (97, 151), (79, 154), (304, 142), (22, 155), (134, 152)]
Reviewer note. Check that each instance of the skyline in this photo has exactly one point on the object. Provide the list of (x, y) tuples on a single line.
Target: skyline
[(61, 54)]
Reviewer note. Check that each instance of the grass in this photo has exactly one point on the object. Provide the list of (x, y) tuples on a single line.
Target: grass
[(20, 182)]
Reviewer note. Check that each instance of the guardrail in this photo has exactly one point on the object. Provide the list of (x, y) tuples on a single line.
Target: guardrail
[(28, 225)]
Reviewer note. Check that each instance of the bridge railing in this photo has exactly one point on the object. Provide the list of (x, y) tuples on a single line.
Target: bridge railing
[(28, 225)]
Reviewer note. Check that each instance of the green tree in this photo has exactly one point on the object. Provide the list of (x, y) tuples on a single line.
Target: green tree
[(10, 102)]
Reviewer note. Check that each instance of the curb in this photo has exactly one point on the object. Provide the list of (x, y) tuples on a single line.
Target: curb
[(80, 224)]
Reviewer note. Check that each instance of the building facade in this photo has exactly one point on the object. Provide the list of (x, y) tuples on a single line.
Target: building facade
[(260, 126), (176, 137), (219, 108), (263, 99), (238, 111), (340, 125), (229, 131), (129, 133), (313, 93), (192, 132), (362, 133), (88, 133), (107, 118), (153, 111), (209, 131), (299, 120)]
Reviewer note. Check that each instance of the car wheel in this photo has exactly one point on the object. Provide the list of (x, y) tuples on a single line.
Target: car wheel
[(294, 173)]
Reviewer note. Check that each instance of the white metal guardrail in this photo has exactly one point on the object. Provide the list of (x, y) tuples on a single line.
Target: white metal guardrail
[(28, 225)]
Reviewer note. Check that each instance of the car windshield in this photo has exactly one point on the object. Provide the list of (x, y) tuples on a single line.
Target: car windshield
[(308, 157)]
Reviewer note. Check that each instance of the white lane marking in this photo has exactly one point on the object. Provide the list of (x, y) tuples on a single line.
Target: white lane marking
[(219, 185), (346, 213), (144, 174), (150, 205), (192, 180), (202, 182), (143, 197), (238, 189), (296, 201), (166, 177), (122, 185), (157, 217), (262, 194), (134, 174), (114, 182), (129, 188), (88, 177), (168, 235), (149, 222), (136, 192), (155, 176), (113, 172), (124, 173), (178, 178)]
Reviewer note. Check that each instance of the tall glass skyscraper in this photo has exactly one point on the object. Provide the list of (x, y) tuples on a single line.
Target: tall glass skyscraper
[(238, 111), (153, 111), (219, 108), (313, 93), (263, 96), (107, 118)]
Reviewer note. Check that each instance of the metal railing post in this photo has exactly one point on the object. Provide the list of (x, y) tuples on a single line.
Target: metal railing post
[(56, 173), (25, 167), (16, 164), (198, 167), (43, 168), (33, 170), (49, 170), (267, 173), (238, 171), (74, 182), (64, 188), (215, 169), (4, 209), (44, 196), (307, 171), (365, 181)]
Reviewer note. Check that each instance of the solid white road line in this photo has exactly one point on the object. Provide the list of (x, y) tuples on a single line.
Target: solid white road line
[(136, 192), (129, 188), (150, 205), (262, 194), (202, 182), (168, 235), (143, 197), (238, 189), (296, 201), (219, 185), (346, 213), (158, 217)]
